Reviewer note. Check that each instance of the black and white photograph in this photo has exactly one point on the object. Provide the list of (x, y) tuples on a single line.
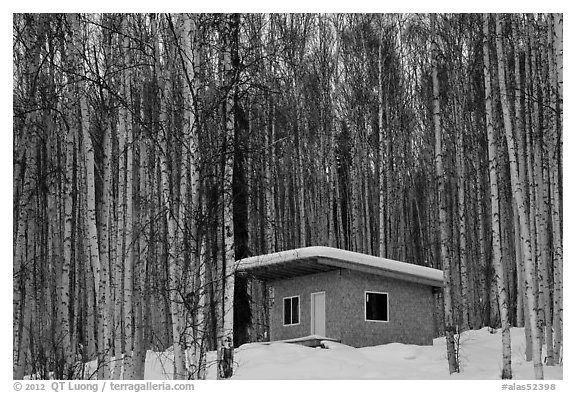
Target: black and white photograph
[(286, 196)]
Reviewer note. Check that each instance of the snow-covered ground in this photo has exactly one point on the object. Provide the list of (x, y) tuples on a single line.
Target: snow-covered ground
[(480, 358)]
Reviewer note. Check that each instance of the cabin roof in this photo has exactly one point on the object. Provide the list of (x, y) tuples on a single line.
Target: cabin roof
[(310, 260)]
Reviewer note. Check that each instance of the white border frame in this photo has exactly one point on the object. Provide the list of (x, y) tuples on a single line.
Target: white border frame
[(387, 306), (312, 309), (284, 310)]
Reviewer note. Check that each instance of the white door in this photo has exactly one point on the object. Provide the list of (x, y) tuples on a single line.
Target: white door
[(318, 314)]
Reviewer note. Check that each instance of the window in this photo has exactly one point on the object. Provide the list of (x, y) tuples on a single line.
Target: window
[(376, 306), (291, 310)]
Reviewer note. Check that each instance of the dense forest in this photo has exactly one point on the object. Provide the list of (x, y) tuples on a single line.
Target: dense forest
[(152, 151)]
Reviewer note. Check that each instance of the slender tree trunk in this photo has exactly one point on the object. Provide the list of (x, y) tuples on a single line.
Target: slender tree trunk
[(21, 333), (353, 190), (128, 292), (145, 187), (121, 243), (88, 152), (460, 169), (87, 303), (442, 212), (64, 306), (520, 139), (529, 196), (225, 339), (536, 174), (381, 166), (483, 281), (555, 162), (494, 195), (90, 187), (192, 57), (516, 188), (542, 250), (366, 202), (269, 219), (300, 180), (106, 331), (169, 212), (381, 163)]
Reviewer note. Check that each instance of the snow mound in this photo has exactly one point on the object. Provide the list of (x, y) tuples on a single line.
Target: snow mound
[(480, 358)]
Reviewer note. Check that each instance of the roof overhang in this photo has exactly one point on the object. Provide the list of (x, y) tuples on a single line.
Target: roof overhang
[(311, 260)]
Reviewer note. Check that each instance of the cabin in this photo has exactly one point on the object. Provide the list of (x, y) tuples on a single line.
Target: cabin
[(356, 299)]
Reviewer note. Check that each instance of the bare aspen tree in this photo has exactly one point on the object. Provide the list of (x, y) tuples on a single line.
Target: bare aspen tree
[(529, 197), (269, 136), (142, 280), (106, 315), (191, 90), (554, 147), (367, 248), (521, 157), (449, 327), (125, 128), (381, 149), (517, 188), (495, 194), (225, 336), (120, 236), (270, 220), (68, 244), (542, 221), (199, 349), (21, 334), (536, 179), (170, 213), (460, 168), (106, 330), (88, 152), (67, 261), (300, 174), (482, 247)]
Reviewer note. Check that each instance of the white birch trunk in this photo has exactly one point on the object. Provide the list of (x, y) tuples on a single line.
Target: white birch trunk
[(120, 252), (366, 199), (555, 160), (381, 166), (460, 168), (199, 349), (225, 339), (521, 156), (88, 151), (64, 306), (543, 250), (106, 315), (192, 60), (484, 297), (517, 191), (444, 230), (169, 212), (529, 198), (128, 223), (21, 276), (300, 180), (106, 331), (269, 219)]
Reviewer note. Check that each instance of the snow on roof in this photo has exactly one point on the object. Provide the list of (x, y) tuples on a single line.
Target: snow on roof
[(311, 260)]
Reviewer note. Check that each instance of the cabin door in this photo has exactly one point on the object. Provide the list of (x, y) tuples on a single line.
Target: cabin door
[(318, 314)]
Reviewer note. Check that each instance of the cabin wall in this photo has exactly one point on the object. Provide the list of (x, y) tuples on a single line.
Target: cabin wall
[(410, 312), (304, 286), (411, 308)]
